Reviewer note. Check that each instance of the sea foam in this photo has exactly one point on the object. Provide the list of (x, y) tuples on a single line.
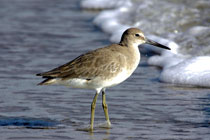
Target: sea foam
[(103, 4), (193, 71)]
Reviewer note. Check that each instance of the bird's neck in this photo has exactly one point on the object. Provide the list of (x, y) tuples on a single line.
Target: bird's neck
[(129, 44), (131, 48)]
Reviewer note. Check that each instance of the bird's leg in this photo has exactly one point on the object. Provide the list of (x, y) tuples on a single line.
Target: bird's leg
[(93, 106), (105, 107)]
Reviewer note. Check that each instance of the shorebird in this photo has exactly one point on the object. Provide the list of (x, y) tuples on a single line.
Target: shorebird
[(101, 68)]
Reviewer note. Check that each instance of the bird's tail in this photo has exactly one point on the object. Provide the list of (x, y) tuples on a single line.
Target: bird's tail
[(48, 81)]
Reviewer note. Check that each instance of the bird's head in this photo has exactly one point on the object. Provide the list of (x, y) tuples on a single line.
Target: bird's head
[(135, 37)]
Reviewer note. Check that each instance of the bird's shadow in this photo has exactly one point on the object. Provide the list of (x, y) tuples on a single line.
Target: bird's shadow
[(30, 123)]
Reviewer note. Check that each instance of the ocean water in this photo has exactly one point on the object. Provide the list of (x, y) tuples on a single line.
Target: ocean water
[(39, 35)]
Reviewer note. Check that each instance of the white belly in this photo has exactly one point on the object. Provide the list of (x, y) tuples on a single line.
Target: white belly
[(95, 83), (122, 76)]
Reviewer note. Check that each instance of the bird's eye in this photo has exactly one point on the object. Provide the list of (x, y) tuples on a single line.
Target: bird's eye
[(137, 35)]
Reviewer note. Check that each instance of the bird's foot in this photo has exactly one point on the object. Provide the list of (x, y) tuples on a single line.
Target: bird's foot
[(106, 125), (86, 129)]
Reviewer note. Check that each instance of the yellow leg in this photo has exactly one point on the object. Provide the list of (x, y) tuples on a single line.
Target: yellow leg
[(93, 106), (105, 107)]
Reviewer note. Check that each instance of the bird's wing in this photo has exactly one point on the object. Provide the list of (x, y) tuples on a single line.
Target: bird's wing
[(90, 65)]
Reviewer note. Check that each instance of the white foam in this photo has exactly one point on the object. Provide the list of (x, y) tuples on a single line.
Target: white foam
[(165, 60), (108, 21), (103, 4), (194, 71), (198, 30)]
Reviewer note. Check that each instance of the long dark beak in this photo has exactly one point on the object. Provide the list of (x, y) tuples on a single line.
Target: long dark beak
[(156, 44)]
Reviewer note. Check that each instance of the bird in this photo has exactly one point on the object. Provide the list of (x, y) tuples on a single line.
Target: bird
[(101, 68)]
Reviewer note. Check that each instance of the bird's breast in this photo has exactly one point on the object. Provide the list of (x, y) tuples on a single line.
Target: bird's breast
[(133, 60)]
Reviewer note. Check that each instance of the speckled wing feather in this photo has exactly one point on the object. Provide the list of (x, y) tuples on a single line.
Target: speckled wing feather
[(90, 65)]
